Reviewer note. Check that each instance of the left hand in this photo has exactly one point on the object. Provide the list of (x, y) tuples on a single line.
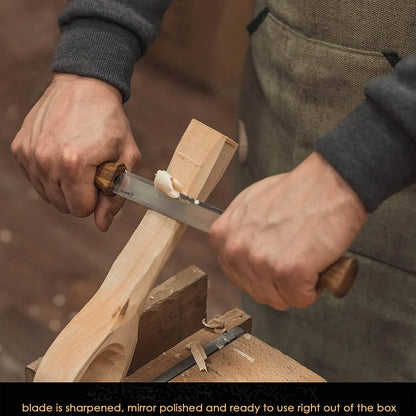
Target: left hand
[(281, 232)]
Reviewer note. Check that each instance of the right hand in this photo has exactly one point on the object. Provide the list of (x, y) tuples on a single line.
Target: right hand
[(77, 124)]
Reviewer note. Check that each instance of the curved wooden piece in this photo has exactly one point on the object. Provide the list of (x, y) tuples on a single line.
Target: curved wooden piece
[(98, 344)]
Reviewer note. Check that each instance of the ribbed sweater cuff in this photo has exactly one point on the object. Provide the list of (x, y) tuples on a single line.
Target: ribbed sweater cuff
[(374, 156), (99, 49)]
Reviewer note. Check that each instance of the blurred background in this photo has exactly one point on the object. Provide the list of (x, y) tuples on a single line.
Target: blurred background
[(51, 264)]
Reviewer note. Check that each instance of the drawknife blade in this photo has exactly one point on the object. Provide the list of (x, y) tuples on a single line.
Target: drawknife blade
[(185, 209)]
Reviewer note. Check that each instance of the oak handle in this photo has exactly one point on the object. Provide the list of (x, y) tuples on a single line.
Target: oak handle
[(106, 174), (339, 277)]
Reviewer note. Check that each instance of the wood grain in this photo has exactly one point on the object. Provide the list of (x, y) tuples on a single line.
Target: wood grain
[(106, 174), (248, 359), (167, 360), (340, 276), (173, 311), (98, 344)]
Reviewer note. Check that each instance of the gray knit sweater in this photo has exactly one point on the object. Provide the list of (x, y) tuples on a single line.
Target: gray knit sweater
[(373, 148)]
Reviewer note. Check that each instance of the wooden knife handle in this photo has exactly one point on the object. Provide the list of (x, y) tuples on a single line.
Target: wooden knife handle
[(106, 174), (339, 277)]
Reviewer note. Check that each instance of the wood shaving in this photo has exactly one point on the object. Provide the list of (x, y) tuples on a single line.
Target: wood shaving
[(165, 183), (217, 324), (243, 354), (199, 354)]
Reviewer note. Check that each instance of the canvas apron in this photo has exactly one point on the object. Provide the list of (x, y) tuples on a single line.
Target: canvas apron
[(306, 67)]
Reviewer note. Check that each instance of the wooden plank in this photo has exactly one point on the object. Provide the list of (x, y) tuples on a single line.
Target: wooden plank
[(167, 360), (248, 359), (98, 344), (173, 311)]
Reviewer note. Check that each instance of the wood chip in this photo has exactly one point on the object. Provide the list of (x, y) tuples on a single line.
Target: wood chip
[(199, 354), (165, 183), (243, 354), (217, 324)]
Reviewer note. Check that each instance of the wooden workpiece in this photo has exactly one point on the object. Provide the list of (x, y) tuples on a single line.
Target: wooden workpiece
[(173, 311), (99, 342), (166, 323)]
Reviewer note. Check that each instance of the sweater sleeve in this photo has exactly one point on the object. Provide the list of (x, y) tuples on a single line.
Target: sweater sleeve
[(104, 38), (374, 147)]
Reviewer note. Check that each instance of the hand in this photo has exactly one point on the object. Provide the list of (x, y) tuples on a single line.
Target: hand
[(75, 126), (279, 233)]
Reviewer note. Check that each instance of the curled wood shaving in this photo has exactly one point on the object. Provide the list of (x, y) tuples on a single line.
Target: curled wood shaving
[(165, 183), (217, 324)]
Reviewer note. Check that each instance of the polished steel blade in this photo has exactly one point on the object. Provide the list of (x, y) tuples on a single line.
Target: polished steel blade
[(142, 191)]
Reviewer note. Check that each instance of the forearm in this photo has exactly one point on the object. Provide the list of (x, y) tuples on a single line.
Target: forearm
[(103, 39), (374, 147)]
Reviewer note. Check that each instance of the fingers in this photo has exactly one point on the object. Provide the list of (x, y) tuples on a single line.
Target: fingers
[(78, 124), (64, 176), (107, 208), (77, 184), (259, 270), (236, 259)]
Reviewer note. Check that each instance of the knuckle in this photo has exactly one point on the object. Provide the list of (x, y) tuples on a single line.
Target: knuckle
[(70, 160), (216, 233), (42, 156), (132, 158), (292, 281), (284, 269), (258, 259), (235, 250), (15, 147)]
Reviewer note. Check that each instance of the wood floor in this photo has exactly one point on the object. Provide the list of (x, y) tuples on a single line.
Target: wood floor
[(52, 263)]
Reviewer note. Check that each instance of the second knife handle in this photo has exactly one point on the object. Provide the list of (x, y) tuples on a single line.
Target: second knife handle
[(106, 174), (339, 277)]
